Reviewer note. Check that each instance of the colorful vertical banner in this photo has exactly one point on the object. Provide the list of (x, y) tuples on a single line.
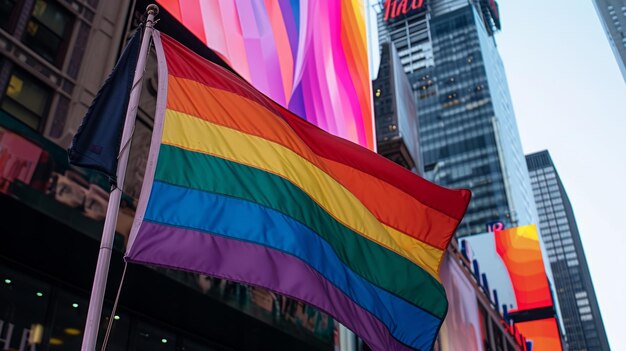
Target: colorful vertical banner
[(520, 251), (309, 56)]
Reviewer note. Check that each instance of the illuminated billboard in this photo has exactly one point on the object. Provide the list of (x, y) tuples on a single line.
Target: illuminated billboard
[(512, 262), (520, 251), (543, 334), (395, 8), (309, 56)]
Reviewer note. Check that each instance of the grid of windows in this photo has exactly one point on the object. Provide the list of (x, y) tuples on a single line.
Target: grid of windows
[(26, 99), (411, 38), (612, 14), (50, 317), (28, 81), (47, 29), (456, 128), (577, 304), (466, 123)]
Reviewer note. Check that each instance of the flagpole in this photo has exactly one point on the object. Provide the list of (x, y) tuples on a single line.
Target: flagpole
[(347, 340), (108, 232)]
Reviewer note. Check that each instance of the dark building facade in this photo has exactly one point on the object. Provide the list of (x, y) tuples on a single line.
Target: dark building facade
[(54, 55), (467, 129), (612, 15), (574, 290), (395, 112)]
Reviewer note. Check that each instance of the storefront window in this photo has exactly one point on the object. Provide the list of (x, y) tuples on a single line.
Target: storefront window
[(37, 316), (26, 99), (118, 340), (70, 314), (189, 345), (46, 29), (23, 303), (147, 337)]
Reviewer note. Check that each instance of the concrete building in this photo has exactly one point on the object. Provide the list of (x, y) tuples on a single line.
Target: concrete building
[(54, 56)]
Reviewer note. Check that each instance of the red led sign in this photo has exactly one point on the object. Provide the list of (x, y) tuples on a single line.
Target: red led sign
[(394, 8)]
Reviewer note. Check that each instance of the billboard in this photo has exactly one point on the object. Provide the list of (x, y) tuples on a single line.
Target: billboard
[(519, 250), (543, 334), (309, 56), (461, 330), (512, 263)]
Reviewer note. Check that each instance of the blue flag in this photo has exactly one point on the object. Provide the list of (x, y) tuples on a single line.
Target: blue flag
[(97, 142)]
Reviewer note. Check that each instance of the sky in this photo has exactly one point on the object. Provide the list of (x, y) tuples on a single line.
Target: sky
[(569, 97)]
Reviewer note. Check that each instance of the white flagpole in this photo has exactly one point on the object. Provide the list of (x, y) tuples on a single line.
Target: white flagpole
[(108, 232), (347, 341)]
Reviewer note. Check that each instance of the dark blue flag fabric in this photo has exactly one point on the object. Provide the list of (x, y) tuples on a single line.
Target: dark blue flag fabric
[(96, 144)]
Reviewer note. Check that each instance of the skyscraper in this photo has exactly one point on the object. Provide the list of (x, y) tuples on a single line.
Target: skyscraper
[(396, 113), (467, 129), (579, 309), (612, 15)]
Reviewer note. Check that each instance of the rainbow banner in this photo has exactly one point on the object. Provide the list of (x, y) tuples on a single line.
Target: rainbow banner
[(309, 56), (521, 254), (240, 188)]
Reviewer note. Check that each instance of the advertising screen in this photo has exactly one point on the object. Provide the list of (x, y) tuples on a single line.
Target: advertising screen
[(519, 250), (512, 261), (543, 333), (309, 56)]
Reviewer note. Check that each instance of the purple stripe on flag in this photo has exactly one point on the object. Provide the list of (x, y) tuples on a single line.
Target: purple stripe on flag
[(257, 265)]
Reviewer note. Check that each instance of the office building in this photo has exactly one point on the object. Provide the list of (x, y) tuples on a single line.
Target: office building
[(612, 15), (467, 129), (54, 55), (395, 112), (573, 287)]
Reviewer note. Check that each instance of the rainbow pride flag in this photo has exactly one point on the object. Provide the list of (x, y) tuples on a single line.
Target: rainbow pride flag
[(240, 188)]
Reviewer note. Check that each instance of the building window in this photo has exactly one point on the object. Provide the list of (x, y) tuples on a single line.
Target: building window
[(47, 29), (586, 317), (23, 303), (26, 99), (580, 294), (7, 8), (584, 302)]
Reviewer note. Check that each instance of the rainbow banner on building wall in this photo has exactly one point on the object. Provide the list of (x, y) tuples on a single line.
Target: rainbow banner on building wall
[(309, 56)]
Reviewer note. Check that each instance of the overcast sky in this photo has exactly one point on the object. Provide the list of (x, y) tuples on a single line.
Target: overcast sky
[(570, 98)]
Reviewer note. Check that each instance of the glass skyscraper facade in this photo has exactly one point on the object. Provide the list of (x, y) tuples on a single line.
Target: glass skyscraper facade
[(467, 129), (613, 18), (579, 309)]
